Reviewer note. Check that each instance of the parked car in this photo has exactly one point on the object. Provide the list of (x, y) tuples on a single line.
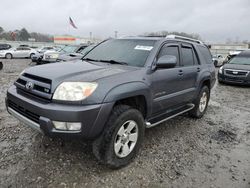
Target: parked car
[(76, 56), (5, 46), (237, 70), (20, 52), (52, 56), (38, 56), (218, 60), (118, 89)]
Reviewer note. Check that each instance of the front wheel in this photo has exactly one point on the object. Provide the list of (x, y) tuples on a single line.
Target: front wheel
[(121, 139), (201, 103)]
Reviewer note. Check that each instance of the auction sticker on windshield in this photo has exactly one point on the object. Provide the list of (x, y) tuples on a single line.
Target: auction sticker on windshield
[(146, 48)]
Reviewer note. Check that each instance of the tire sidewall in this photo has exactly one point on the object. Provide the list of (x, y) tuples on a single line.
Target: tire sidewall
[(203, 89), (108, 138), (32, 54), (10, 56)]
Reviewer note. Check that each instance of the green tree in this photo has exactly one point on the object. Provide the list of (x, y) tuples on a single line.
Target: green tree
[(24, 35)]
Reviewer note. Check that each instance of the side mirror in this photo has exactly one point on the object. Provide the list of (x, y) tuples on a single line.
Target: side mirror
[(166, 61)]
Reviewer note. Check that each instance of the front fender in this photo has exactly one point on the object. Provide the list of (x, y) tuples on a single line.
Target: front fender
[(130, 89)]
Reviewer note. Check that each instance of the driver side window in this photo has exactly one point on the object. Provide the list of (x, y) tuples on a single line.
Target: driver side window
[(170, 50)]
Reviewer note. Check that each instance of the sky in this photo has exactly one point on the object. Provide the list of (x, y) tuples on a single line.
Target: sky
[(213, 20)]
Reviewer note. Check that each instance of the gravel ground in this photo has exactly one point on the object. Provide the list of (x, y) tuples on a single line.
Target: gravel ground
[(210, 152)]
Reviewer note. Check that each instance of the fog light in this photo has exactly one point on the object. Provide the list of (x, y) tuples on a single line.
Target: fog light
[(68, 126), (73, 126)]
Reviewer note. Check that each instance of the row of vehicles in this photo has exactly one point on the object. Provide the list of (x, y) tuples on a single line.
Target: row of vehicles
[(46, 54)]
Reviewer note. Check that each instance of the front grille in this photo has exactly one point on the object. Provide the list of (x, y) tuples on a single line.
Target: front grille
[(39, 86), (236, 72), (28, 114)]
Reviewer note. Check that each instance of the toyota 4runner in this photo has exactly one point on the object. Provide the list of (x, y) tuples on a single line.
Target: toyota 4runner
[(118, 89)]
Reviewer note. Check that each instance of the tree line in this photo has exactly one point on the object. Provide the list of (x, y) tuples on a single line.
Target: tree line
[(165, 33), (24, 35)]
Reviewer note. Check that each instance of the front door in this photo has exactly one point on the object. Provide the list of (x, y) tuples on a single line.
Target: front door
[(166, 82)]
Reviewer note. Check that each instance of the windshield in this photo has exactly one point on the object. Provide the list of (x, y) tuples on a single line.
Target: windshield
[(240, 60), (133, 52), (68, 49), (87, 49)]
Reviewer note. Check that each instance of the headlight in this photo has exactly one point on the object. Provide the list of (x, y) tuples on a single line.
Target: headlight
[(74, 91), (221, 70)]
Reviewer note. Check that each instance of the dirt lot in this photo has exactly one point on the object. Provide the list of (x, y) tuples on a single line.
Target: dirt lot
[(183, 152)]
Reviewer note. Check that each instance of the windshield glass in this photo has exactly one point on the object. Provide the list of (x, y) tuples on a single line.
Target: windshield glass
[(87, 49), (69, 49), (240, 60), (133, 52)]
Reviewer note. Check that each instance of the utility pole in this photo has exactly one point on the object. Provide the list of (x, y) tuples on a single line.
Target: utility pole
[(116, 34), (90, 36)]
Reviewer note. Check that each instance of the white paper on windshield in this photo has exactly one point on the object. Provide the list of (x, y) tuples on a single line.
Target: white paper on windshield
[(146, 48)]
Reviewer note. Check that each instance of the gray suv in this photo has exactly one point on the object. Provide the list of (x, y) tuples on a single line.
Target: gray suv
[(118, 89)]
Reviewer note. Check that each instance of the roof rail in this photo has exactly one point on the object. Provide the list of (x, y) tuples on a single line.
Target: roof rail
[(183, 38)]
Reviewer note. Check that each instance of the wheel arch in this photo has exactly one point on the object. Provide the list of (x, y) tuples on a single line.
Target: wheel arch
[(135, 94)]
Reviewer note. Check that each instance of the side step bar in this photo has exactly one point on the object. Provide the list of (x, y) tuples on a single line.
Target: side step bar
[(178, 112)]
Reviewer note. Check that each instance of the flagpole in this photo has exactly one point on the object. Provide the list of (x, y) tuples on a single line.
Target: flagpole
[(69, 27)]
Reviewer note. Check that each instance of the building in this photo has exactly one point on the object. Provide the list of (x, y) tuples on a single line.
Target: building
[(224, 49), (74, 40)]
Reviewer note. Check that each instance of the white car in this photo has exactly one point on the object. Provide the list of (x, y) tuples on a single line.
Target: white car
[(218, 60), (20, 52)]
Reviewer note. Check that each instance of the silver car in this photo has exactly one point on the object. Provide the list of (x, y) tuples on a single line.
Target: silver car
[(20, 52)]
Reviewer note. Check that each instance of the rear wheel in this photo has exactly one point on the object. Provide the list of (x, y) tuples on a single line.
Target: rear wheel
[(31, 55), (121, 138), (8, 56), (201, 103)]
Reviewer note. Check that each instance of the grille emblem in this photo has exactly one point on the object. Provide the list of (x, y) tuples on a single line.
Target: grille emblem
[(29, 86), (235, 72)]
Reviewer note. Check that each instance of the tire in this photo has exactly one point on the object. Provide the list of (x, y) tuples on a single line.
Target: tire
[(31, 55), (122, 117), (8, 56), (201, 103)]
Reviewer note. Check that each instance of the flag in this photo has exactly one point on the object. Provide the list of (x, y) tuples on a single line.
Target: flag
[(72, 23)]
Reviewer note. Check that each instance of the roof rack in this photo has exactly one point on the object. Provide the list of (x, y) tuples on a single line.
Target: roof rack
[(183, 38)]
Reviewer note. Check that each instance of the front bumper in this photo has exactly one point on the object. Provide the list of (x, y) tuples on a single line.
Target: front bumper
[(237, 80), (39, 115)]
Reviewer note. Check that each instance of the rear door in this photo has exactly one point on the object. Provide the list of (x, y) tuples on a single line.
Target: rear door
[(191, 68), (26, 52)]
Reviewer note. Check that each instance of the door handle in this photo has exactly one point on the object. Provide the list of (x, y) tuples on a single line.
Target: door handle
[(180, 72), (198, 69)]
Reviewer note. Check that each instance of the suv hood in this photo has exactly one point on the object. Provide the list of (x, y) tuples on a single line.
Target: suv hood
[(236, 66), (76, 71)]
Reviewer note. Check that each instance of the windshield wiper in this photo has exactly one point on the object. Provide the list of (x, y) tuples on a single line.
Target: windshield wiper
[(113, 62), (88, 59)]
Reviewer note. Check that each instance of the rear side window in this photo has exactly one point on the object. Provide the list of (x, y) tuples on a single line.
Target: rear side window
[(187, 56), (170, 50), (206, 54)]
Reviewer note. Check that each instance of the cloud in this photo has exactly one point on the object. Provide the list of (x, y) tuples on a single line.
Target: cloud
[(213, 20)]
